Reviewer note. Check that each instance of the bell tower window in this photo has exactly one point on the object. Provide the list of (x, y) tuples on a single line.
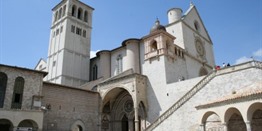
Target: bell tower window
[(153, 46), (60, 13), (86, 16), (64, 10), (56, 15), (79, 14), (73, 10)]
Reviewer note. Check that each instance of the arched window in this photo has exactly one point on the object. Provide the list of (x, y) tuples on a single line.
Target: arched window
[(73, 10), (79, 13), (3, 82), (119, 64), (64, 10), (86, 16), (79, 128), (18, 93), (196, 26), (60, 13), (56, 15), (154, 46), (168, 47), (94, 72)]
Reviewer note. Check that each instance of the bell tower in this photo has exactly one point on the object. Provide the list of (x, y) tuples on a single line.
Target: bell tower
[(69, 46)]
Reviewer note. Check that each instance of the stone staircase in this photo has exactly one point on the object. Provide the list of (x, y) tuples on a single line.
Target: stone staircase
[(199, 86)]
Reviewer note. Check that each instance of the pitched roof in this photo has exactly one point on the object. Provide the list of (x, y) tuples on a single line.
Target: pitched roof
[(253, 91)]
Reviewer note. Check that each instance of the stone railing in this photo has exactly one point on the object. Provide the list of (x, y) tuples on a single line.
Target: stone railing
[(198, 87), (242, 66)]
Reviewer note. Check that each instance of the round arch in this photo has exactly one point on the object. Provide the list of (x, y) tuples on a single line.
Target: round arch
[(78, 125), (6, 125), (206, 115), (254, 115), (113, 93), (252, 108), (153, 45), (211, 121), (234, 120), (30, 124)]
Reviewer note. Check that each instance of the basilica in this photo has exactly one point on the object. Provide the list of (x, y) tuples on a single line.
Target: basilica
[(165, 80)]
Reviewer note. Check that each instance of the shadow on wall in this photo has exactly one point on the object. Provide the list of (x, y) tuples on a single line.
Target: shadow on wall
[(153, 104)]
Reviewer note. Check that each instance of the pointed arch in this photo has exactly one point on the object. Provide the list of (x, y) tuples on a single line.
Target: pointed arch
[(124, 123)]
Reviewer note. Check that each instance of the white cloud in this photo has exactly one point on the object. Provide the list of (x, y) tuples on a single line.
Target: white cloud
[(258, 53), (243, 59), (93, 53)]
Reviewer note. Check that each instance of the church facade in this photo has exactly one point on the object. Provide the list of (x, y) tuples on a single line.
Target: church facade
[(164, 80)]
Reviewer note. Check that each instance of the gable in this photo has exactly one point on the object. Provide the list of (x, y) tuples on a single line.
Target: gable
[(41, 65), (194, 21)]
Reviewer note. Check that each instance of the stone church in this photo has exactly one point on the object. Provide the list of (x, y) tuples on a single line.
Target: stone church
[(164, 80)]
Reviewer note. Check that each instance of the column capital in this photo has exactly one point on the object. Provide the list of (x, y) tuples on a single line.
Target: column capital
[(248, 125), (247, 122)]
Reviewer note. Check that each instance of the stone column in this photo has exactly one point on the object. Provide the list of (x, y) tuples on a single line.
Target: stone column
[(136, 119), (202, 127), (15, 128), (248, 125), (225, 126)]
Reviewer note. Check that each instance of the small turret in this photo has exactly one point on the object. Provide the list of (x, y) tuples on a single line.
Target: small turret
[(174, 15)]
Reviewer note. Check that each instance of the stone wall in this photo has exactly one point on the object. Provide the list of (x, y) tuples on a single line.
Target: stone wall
[(32, 86), (187, 116), (66, 106)]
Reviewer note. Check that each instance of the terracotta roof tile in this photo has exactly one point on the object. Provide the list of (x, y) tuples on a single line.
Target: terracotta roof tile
[(251, 90)]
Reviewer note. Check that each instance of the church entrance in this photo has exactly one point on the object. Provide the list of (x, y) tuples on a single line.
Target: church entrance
[(119, 112), (124, 123)]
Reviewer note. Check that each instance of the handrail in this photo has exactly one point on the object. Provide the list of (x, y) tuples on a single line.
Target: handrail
[(198, 87)]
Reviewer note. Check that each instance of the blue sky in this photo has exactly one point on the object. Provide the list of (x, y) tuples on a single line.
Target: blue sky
[(235, 26)]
